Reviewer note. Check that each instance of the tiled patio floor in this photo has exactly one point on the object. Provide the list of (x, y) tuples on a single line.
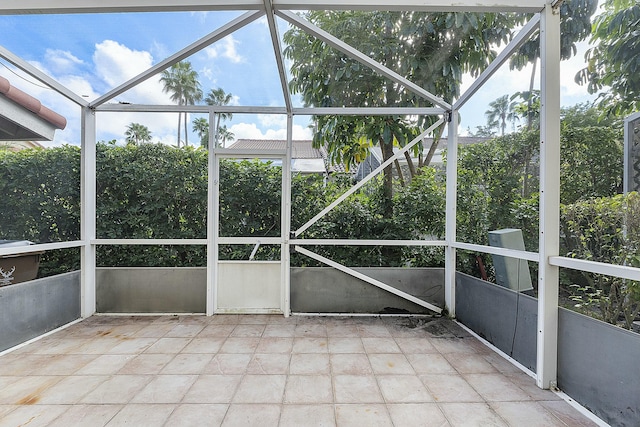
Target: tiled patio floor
[(269, 371)]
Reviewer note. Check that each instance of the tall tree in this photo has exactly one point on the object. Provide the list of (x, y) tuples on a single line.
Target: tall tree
[(218, 97), (201, 128), (614, 61), (181, 81), (224, 135), (500, 112), (137, 134), (432, 50)]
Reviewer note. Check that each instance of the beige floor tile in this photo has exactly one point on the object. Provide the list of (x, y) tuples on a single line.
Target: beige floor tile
[(472, 415), (470, 363), (189, 415), (256, 319), (450, 388), (565, 412), (269, 364), (60, 346), (168, 345), (275, 345), (380, 345), (248, 331), (310, 331), (107, 364), (33, 415), (356, 389), (301, 415), (389, 364), (310, 345), (345, 345), (501, 364), (417, 415), (165, 389), (71, 389), (87, 415), (154, 331), (347, 330), (350, 364), (362, 415), (213, 389), (27, 390), (372, 330), (495, 387), (204, 345), (403, 389), (185, 330), (117, 389), (245, 415), (225, 319), (133, 346), (240, 345), (216, 331), (146, 364), (19, 365), (64, 364), (97, 346), (279, 330), (528, 385), (430, 363), (415, 345), (308, 389), (187, 364), (309, 364), (526, 414), (260, 389), (454, 345), (228, 364), (148, 415)]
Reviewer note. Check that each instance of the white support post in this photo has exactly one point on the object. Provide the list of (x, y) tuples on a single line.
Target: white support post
[(450, 217), (88, 213), (286, 221), (212, 231), (548, 277)]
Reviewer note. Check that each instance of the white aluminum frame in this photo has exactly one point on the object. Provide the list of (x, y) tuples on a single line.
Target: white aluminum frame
[(546, 19)]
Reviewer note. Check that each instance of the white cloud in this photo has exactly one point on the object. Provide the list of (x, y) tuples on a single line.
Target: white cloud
[(225, 48), (62, 61)]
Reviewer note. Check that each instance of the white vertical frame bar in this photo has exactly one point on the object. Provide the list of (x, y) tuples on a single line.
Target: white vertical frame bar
[(212, 212), (548, 276), (450, 216), (88, 213), (285, 255)]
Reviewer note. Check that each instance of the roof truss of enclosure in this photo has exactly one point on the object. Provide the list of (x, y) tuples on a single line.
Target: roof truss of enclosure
[(546, 18)]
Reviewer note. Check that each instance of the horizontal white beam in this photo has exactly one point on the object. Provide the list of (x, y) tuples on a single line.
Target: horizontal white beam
[(355, 54), (150, 242), (511, 253), (220, 33), (249, 240), (515, 44), (202, 109), (16, 250), (367, 279), (369, 111), (111, 6), (622, 271), (363, 242)]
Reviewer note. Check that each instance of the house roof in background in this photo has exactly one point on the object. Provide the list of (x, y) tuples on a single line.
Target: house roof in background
[(301, 149), (19, 145), (23, 117)]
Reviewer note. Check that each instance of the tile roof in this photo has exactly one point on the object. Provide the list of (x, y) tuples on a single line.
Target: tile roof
[(32, 104), (302, 149)]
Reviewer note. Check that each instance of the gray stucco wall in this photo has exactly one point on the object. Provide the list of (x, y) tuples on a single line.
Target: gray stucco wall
[(151, 290), (30, 309), (327, 290), (503, 317), (599, 366), (598, 363)]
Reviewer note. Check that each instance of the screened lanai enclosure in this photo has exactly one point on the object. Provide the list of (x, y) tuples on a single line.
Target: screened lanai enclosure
[(290, 267)]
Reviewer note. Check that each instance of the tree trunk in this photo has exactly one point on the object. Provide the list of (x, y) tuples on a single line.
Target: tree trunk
[(399, 170), (179, 124), (186, 136), (412, 168), (387, 188)]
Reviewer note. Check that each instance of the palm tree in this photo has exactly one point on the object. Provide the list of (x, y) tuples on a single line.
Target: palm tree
[(181, 81), (201, 127), (219, 97), (137, 134), (224, 135), (500, 112)]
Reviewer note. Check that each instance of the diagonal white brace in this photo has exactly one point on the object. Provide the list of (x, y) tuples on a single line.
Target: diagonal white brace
[(367, 279), (368, 177), (352, 52)]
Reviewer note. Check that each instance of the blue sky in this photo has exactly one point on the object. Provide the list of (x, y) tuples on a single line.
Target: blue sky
[(91, 54)]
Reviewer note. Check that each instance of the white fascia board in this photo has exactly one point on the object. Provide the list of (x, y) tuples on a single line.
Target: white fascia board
[(19, 124), (111, 6)]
